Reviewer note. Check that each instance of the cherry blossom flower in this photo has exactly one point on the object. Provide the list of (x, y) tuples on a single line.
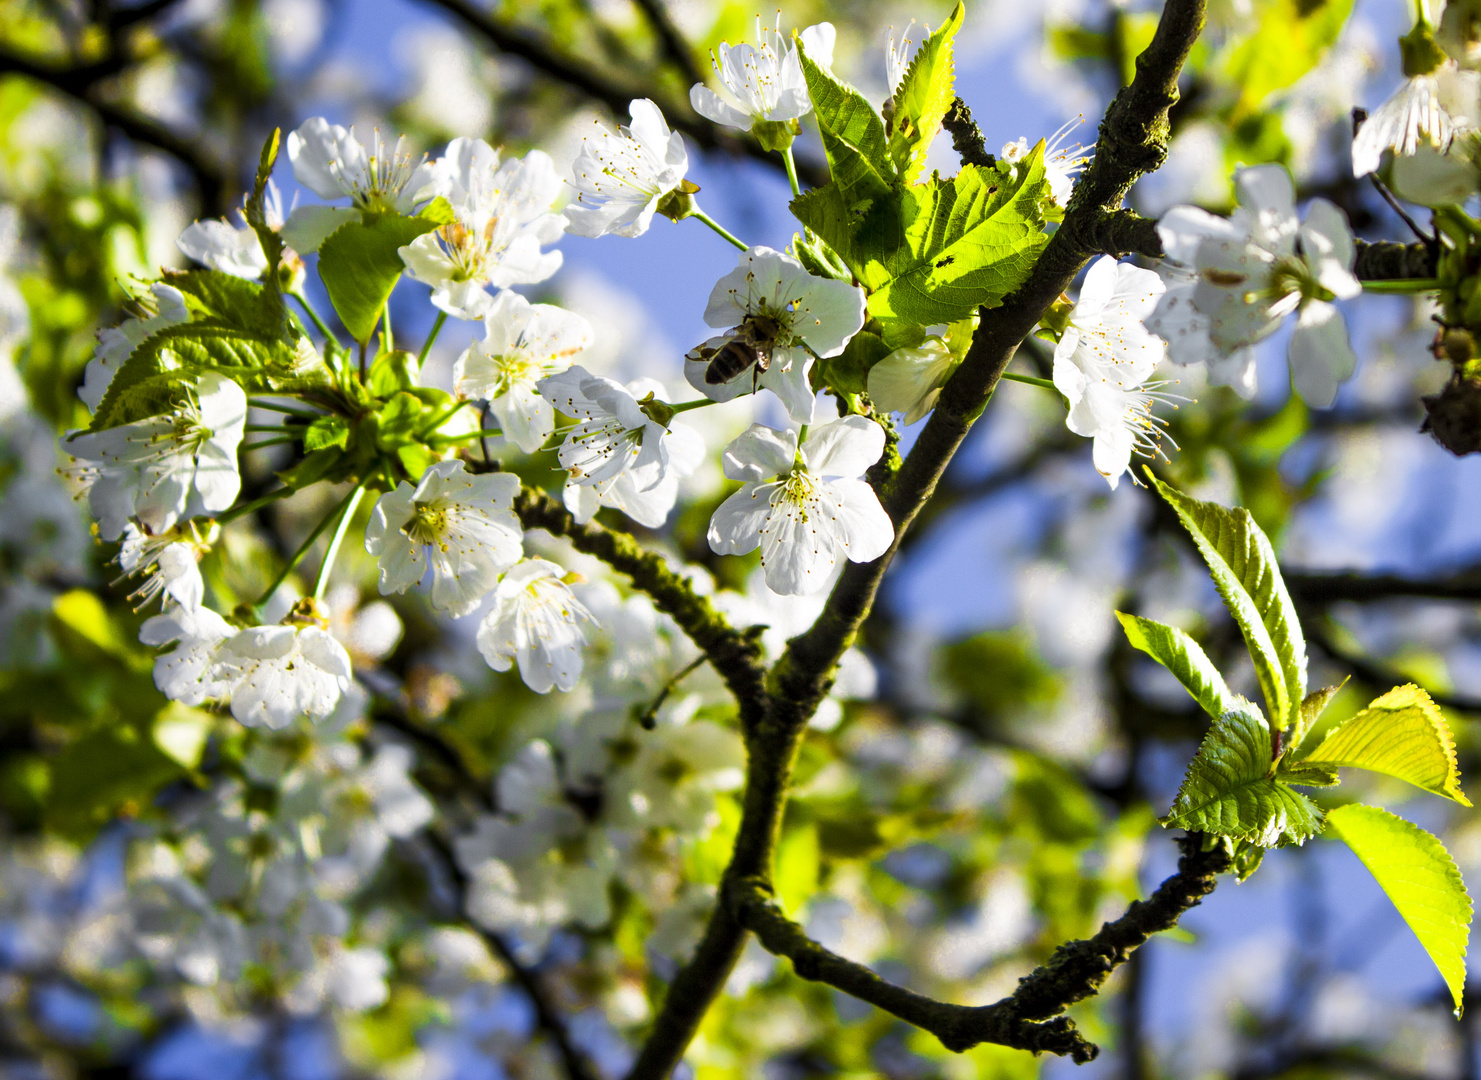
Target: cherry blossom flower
[(1231, 283), (537, 621), (169, 566), (620, 179), (502, 219), (332, 163), (803, 505), (909, 380), (765, 80), (230, 249), (628, 452), (523, 343), (771, 295), (1062, 163), (276, 674), (1428, 109), (163, 307), (460, 525), (898, 58), (181, 463), (1103, 362), (187, 672)]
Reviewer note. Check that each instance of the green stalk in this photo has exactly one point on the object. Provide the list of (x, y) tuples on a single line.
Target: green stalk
[(259, 403), (256, 504), (1030, 380), (322, 581), (319, 324), (712, 223), (303, 548), (685, 406), (436, 329), (481, 433), (270, 442), (1401, 286), (791, 171)]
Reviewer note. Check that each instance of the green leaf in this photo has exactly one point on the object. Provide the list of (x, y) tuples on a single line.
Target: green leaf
[(1181, 655), (1312, 707), (962, 243), (1401, 734), (1421, 879), (180, 733), (849, 370), (360, 265), (853, 133), (232, 302), (1229, 789), (1243, 565), (1304, 775), (1292, 38), (924, 95), (325, 432), (1247, 859), (255, 211)]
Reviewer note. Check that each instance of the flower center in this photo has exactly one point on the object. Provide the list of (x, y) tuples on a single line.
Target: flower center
[(799, 489), (428, 523)]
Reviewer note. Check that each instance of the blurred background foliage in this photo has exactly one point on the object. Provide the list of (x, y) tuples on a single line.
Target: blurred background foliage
[(995, 795)]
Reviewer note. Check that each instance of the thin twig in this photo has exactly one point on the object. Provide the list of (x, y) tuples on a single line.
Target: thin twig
[(678, 50)]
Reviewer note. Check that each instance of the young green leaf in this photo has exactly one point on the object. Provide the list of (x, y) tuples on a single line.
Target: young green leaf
[(1229, 789), (360, 264), (1181, 655), (853, 136), (1401, 734), (922, 98), (963, 243), (1421, 879), (1312, 707), (1245, 572), (1292, 38)]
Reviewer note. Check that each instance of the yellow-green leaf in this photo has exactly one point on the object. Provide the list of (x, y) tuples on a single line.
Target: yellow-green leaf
[(1401, 734), (922, 98), (1421, 879)]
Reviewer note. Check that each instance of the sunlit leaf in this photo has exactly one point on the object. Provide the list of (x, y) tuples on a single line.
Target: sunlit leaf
[(1421, 879), (923, 97), (1181, 655)]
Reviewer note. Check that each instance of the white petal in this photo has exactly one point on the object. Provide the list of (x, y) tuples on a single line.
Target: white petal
[(843, 447), (1319, 353), (760, 453)]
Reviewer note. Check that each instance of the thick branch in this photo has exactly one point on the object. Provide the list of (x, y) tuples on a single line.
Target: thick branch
[(581, 76), (1029, 1018), (734, 656), (82, 84), (1133, 141), (966, 136)]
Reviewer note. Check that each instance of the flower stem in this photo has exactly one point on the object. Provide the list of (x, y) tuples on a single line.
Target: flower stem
[(363, 368), (319, 323), (322, 581), (387, 338), (685, 406), (791, 171), (1031, 380), (427, 346), (271, 442), (712, 223), (1402, 285), (256, 504), (271, 406), (267, 427), (481, 433), (303, 549)]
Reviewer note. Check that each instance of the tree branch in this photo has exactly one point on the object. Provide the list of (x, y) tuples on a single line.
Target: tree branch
[(734, 655), (1385, 260), (966, 136), (1029, 1018), (82, 84), (1377, 675), (580, 75), (1331, 588), (679, 50), (1133, 140)]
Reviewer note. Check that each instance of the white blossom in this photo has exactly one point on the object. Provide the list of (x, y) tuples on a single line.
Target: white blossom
[(276, 674), (619, 179), (626, 452), (1062, 163), (803, 505), (522, 344), (332, 163), (537, 621), (1103, 362), (809, 316), (187, 672), (231, 249), (1231, 283), (502, 219), (909, 380), (898, 58), (1426, 110), (678, 769), (461, 525), (15, 314), (163, 307), (765, 81), (158, 469), (169, 565)]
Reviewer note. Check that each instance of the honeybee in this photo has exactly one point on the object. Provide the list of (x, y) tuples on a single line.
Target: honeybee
[(751, 343)]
